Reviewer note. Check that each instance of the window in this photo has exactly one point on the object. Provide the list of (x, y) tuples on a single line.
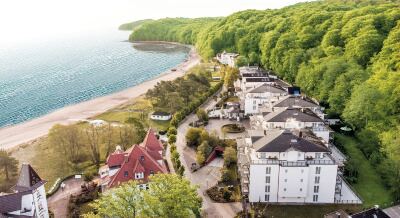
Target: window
[(316, 189), (142, 158), (139, 175), (317, 170), (298, 154), (267, 188), (301, 189), (284, 189), (267, 179), (268, 170), (318, 155), (285, 180), (254, 102), (302, 170), (316, 180), (266, 197), (286, 171), (315, 198), (126, 174), (254, 107), (301, 180), (283, 154), (151, 172)]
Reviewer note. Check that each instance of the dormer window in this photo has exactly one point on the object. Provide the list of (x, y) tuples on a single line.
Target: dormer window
[(293, 140), (142, 158), (139, 175), (151, 172), (126, 174)]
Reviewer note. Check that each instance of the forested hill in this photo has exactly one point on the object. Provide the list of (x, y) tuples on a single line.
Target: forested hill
[(132, 25), (344, 53)]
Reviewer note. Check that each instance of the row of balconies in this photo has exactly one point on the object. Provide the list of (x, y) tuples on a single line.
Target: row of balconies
[(292, 163)]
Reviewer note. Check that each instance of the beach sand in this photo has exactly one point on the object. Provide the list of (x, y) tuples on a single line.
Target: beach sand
[(12, 136)]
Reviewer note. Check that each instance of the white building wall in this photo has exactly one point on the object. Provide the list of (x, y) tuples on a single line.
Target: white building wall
[(257, 185), (293, 184), (327, 183)]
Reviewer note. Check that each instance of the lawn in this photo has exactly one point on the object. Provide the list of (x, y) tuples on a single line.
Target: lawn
[(369, 185)]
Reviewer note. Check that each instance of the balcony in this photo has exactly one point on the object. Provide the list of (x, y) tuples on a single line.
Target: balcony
[(292, 163)]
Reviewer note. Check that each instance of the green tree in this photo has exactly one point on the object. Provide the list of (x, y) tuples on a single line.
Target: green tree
[(193, 137), (124, 201), (8, 164), (202, 114), (171, 139), (171, 196), (230, 157)]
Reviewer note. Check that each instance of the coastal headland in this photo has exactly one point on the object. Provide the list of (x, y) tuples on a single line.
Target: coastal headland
[(12, 136)]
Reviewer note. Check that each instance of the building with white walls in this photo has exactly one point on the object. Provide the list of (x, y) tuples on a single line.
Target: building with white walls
[(290, 167), (28, 197), (227, 58), (263, 94)]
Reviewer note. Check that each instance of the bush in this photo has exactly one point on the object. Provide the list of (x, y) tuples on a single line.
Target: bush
[(171, 139), (90, 173), (172, 131)]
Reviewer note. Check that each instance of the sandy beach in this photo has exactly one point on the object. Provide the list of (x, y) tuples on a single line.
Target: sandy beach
[(12, 136)]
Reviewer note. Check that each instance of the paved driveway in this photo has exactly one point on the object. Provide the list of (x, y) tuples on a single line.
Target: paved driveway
[(205, 177), (58, 202)]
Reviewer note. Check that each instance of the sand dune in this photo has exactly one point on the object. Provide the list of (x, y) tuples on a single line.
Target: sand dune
[(13, 136)]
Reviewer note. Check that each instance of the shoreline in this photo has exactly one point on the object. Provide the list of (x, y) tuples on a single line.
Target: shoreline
[(18, 134)]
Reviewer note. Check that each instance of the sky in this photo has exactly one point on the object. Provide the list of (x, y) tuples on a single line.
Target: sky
[(30, 20)]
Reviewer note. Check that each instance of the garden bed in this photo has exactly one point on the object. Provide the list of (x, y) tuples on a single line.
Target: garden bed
[(232, 128)]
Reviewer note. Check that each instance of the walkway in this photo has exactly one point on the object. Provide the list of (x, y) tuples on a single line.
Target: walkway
[(205, 177), (58, 202)]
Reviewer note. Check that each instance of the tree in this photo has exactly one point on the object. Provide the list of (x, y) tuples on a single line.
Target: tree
[(171, 196), (203, 151), (93, 140), (202, 114), (171, 139), (172, 131), (193, 137), (230, 157), (8, 164), (123, 201), (68, 139)]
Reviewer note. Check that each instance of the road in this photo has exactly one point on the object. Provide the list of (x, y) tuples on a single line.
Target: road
[(207, 176), (58, 202)]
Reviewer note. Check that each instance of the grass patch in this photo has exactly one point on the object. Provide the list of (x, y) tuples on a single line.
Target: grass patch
[(232, 99), (303, 211), (369, 185)]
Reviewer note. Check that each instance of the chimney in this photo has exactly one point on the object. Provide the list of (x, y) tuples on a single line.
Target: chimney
[(126, 158)]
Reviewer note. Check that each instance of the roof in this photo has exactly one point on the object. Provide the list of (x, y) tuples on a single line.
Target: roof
[(151, 142), (393, 211), (27, 179), (260, 79), (282, 140), (137, 161), (336, 214), (267, 88), (255, 74), (302, 115), (160, 113), (296, 101), (371, 213)]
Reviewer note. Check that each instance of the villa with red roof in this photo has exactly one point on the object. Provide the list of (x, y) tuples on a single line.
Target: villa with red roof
[(137, 163)]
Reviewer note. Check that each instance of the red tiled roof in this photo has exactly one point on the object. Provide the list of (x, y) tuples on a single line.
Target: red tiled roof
[(151, 142), (115, 159), (139, 160)]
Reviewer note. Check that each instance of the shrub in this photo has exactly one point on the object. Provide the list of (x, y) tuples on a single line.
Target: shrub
[(172, 131), (171, 139)]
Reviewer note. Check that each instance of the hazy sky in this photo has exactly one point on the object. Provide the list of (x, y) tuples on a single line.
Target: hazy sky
[(27, 20)]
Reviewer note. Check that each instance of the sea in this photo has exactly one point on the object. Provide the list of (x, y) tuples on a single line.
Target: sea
[(39, 78)]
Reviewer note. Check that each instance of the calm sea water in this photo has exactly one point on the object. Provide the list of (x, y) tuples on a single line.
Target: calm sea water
[(37, 79)]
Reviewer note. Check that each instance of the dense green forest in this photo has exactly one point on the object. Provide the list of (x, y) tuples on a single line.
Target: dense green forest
[(346, 54), (132, 25)]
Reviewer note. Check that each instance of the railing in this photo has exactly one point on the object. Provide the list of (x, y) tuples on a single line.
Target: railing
[(348, 202), (292, 163)]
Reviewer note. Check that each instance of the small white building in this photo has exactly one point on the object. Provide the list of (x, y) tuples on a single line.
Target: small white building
[(227, 58), (28, 198), (263, 94), (159, 115)]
